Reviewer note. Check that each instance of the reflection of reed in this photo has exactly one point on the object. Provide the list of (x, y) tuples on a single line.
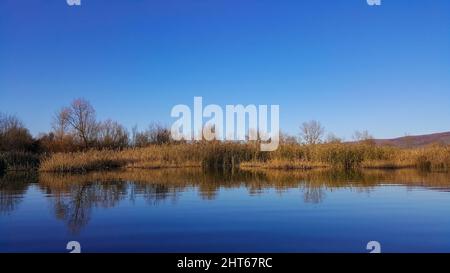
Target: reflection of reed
[(364, 179), (74, 195), (13, 185), (256, 181)]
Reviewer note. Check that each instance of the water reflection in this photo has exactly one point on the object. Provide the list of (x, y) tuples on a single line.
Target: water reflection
[(74, 203), (12, 189), (73, 197)]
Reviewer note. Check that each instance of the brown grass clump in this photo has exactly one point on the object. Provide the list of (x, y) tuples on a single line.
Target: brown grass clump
[(82, 161)]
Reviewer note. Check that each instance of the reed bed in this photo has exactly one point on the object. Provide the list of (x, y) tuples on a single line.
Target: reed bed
[(228, 155), (18, 161), (214, 155), (83, 161)]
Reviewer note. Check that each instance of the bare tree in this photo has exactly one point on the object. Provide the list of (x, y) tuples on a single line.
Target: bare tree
[(311, 132), (134, 135), (140, 139), (158, 134), (362, 136), (13, 134), (60, 124), (287, 139), (112, 135), (80, 117), (332, 138), (155, 134)]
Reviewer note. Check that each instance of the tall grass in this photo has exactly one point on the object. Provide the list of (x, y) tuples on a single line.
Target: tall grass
[(210, 155), (361, 155), (82, 161), (218, 155), (227, 155), (435, 158)]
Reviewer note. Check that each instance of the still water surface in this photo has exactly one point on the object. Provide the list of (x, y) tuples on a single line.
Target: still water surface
[(193, 211)]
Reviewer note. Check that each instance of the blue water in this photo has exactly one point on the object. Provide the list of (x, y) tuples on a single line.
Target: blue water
[(404, 211)]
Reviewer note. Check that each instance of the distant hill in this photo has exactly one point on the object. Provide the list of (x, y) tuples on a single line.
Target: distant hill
[(416, 141)]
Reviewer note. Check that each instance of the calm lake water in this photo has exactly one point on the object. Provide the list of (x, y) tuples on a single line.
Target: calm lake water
[(193, 211)]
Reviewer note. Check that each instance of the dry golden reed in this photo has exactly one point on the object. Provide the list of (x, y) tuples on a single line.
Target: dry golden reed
[(228, 155)]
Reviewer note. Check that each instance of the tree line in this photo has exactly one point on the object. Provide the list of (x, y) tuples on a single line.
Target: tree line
[(76, 128)]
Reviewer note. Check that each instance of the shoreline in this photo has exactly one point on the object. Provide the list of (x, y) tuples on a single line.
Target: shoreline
[(245, 166), (229, 156)]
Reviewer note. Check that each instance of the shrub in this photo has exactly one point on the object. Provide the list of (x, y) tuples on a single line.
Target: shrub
[(19, 160), (2, 165)]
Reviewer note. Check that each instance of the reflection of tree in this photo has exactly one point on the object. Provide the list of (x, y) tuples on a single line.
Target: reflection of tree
[(74, 204), (74, 196), (76, 212), (155, 193), (13, 186), (313, 194)]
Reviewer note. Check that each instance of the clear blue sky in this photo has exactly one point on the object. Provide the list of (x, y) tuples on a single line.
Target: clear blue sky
[(349, 65)]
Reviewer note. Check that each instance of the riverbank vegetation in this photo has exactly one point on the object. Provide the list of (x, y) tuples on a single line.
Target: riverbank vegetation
[(79, 142), (220, 155)]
